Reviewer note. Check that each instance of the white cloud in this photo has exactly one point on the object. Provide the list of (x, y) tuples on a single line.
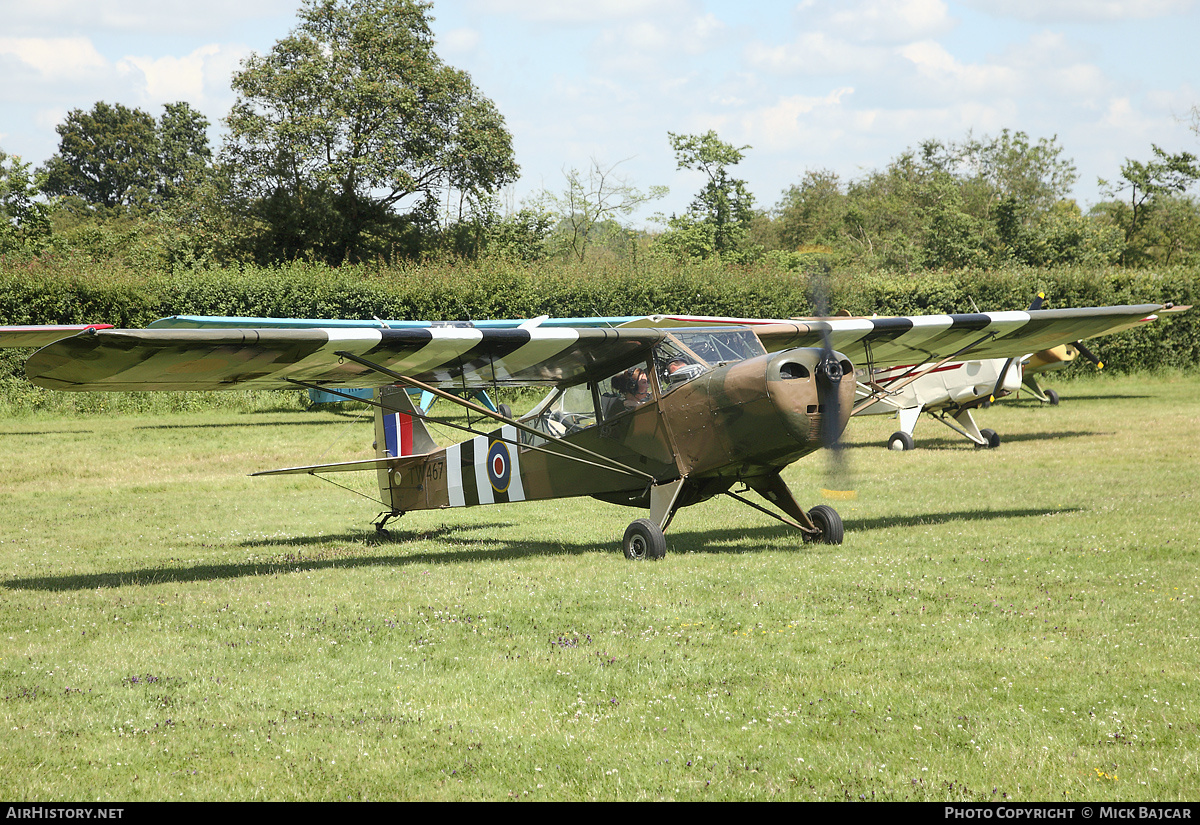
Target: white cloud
[(581, 11), (154, 17), (1081, 11), (659, 40), (937, 65), (882, 21), (193, 77), (816, 53), (784, 124), (55, 58), (459, 41)]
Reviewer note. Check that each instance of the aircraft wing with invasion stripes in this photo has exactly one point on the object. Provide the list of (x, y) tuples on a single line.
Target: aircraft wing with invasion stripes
[(669, 417), (918, 339), (220, 359), (549, 354)]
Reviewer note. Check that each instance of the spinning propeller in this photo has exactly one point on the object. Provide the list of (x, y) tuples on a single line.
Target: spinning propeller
[(838, 484)]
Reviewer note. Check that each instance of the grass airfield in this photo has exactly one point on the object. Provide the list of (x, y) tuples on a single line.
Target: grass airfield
[(1012, 624)]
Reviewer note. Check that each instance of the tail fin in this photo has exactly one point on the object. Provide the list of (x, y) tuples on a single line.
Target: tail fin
[(398, 433)]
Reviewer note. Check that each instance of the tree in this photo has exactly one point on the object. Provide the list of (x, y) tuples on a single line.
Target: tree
[(107, 157), (183, 150), (812, 212), (24, 219), (120, 159), (947, 204), (723, 210), (588, 208), (1149, 185), (353, 118), (1010, 167)]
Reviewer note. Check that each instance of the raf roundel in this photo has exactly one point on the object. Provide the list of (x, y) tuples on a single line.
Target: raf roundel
[(499, 467)]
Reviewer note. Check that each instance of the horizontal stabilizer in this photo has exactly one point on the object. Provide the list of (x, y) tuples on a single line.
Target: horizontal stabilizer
[(346, 466)]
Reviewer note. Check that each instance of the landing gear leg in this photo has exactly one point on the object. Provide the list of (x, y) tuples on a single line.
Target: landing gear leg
[(820, 524)]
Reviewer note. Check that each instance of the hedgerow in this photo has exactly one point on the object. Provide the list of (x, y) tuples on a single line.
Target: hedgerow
[(77, 290)]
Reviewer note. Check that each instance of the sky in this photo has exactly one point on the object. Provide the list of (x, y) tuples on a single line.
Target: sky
[(838, 85)]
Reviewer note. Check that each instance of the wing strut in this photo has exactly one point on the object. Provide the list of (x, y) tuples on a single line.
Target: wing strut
[(368, 464), (609, 463)]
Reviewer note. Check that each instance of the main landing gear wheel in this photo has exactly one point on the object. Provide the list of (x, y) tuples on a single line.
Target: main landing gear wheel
[(828, 522), (991, 437), (1052, 398), (643, 540), (900, 442)]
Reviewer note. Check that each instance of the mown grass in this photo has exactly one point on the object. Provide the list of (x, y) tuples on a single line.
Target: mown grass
[(1012, 624)]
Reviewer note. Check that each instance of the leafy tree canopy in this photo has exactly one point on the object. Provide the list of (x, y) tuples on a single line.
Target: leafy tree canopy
[(352, 117), (107, 157), (24, 218), (725, 206), (120, 158)]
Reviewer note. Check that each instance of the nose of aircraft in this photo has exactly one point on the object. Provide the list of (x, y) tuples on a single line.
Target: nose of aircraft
[(813, 391)]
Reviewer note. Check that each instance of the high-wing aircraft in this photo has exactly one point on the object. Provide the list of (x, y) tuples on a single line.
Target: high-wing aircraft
[(946, 390), (658, 417), (949, 393)]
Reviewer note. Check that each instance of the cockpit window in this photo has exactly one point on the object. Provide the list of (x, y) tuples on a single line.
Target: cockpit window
[(688, 354), (561, 413), (721, 346), (627, 390)]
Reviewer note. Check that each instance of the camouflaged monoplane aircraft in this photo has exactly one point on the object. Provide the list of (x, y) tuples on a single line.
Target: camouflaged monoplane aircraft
[(657, 417), (947, 390)]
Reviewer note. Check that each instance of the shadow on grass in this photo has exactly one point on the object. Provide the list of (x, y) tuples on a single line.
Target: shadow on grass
[(361, 549), (231, 424), (955, 442), (1067, 398), (47, 432)]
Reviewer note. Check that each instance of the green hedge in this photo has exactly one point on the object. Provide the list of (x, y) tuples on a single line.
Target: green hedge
[(62, 291)]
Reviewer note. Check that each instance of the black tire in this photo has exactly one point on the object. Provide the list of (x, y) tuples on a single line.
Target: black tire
[(827, 520), (991, 437), (643, 540), (1052, 398), (505, 410), (900, 442)]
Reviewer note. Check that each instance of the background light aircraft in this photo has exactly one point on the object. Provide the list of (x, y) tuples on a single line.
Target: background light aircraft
[(948, 393), (650, 416)]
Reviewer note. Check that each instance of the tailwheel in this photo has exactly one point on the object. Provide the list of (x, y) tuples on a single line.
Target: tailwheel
[(991, 439), (901, 441), (383, 519), (828, 522), (643, 540)]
